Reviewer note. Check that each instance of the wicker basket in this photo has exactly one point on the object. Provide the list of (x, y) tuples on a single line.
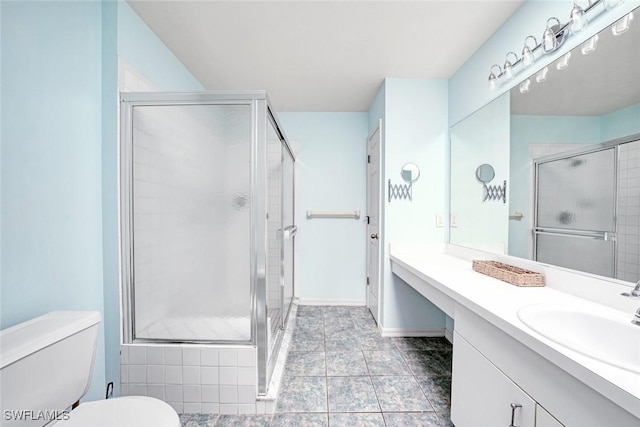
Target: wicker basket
[(508, 273)]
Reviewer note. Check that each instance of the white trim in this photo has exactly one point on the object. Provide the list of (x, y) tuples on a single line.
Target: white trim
[(358, 302), (448, 335), (402, 332)]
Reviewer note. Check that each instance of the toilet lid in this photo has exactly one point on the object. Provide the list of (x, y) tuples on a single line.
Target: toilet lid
[(129, 411)]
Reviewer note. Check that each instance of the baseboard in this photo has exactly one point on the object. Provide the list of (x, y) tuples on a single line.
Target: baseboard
[(448, 335), (304, 301), (402, 332)]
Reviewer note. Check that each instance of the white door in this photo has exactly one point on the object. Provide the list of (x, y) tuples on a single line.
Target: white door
[(373, 220)]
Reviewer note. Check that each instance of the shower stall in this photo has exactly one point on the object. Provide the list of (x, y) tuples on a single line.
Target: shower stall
[(207, 232)]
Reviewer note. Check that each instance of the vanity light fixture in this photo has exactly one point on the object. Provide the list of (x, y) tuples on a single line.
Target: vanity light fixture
[(590, 45), (524, 86), (554, 37), (578, 19), (542, 75), (493, 77), (508, 66), (622, 25), (527, 52), (564, 62)]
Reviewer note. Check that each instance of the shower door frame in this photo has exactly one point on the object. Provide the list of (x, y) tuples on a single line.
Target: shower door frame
[(263, 350), (261, 114)]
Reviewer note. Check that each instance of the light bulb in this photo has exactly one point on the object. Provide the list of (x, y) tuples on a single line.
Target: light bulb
[(508, 66), (578, 19), (564, 62), (542, 75), (590, 45), (622, 25), (527, 52), (549, 37), (493, 78)]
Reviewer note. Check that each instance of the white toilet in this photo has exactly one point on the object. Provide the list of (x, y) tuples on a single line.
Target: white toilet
[(45, 367)]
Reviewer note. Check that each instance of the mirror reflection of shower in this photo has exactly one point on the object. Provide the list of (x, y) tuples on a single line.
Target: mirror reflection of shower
[(587, 209)]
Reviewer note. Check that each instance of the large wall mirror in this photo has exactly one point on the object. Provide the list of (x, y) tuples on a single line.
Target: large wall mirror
[(567, 141)]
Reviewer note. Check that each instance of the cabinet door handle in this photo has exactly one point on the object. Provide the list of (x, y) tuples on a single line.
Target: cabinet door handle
[(514, 406)]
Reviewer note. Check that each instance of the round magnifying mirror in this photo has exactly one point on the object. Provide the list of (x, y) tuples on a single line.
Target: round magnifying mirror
[(485, 173), (410, 172)]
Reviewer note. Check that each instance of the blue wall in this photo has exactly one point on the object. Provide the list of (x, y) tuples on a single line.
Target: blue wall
[(59, 158), (623, 122), (330, 176), (415, 129), (51, 163)]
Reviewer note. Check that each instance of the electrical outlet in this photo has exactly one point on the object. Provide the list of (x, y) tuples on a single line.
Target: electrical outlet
[(439, 221), (453, 220)]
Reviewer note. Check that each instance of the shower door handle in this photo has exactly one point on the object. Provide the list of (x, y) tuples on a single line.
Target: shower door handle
[(289, 232)]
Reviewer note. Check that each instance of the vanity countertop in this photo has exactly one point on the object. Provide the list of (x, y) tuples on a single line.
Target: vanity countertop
[(498, 303)]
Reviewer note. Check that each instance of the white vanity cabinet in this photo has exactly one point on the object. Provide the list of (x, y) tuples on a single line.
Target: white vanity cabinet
[(491, 371), (498, 361), (484, 396)]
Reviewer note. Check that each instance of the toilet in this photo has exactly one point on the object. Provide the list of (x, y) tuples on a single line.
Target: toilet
[(45, 367)]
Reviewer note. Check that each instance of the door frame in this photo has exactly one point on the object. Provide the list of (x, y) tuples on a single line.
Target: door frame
[(374, 186)]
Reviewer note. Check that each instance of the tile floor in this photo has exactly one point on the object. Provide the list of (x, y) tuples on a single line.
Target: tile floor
[(341, 372)]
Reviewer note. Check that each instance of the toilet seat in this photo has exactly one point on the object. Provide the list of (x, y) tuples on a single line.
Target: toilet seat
[(129, 411)]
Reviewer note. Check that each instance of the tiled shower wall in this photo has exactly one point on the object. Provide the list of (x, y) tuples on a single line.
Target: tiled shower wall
[(629, 212), (194, 379)]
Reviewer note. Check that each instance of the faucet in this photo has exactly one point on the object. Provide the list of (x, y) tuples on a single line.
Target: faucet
[(635, 293), (636, 318)]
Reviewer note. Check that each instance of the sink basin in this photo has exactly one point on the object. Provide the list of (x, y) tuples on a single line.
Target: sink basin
[(602, 334)]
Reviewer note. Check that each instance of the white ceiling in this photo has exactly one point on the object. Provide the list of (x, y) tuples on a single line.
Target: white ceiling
[(321, 55)]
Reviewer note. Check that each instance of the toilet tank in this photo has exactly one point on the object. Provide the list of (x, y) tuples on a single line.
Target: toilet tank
[(45, 366)]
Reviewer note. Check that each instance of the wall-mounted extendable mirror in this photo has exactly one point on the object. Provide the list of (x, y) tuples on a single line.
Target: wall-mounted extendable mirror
[(410, 172), (485, 173)]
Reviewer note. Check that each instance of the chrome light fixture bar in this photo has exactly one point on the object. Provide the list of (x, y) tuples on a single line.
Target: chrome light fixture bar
[(554, 37)]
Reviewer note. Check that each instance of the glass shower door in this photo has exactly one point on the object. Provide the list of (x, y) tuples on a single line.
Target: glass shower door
[(190, 225), (575, 212), (290, 230), (274, 236)]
